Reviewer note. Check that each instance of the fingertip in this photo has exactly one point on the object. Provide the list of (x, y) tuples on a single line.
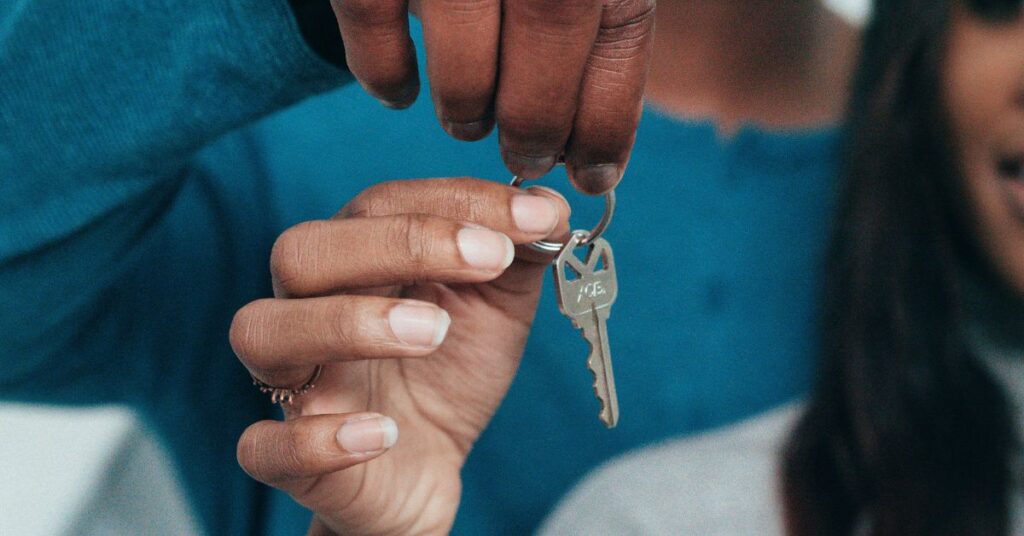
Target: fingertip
[(528, 166), (419, 325), (484, 249), (561, 227), (564, 209), (535, 214), (595, 179), (468, 131), (444, 322), (399, 100)]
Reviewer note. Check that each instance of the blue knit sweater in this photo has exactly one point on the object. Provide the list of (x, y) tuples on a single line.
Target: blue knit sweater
[(139, 197)]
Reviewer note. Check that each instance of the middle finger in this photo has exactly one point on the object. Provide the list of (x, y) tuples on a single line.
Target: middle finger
[(544, 49), (281, 340)]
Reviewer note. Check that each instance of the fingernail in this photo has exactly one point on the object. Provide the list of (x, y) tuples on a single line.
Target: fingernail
[(529, 167), (534, 214), (419, 325), (363, 435), (554, 193), (597, 178), (484, 249), (400, 101), (471, 131), (396, 105)]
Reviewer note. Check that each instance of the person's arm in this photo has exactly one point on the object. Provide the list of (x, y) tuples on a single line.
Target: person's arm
[(102, 109)]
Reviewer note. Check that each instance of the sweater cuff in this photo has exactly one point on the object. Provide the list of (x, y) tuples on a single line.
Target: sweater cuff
[(319, 28)]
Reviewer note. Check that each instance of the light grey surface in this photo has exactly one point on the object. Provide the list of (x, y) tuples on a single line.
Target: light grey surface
[(722, 483), (725, 482), (852, 10), (85, 472)]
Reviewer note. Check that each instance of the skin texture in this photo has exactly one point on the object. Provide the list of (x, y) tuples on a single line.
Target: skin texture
[(336, 282), (571, 78), (984, 94)]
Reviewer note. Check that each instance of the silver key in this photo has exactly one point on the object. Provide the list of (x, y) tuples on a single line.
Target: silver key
[(587, 300)]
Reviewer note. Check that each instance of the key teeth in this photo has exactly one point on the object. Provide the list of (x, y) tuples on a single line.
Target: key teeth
[(605, 413)]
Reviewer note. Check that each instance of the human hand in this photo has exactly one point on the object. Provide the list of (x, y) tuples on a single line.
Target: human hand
[(571, 79), (368, 295)]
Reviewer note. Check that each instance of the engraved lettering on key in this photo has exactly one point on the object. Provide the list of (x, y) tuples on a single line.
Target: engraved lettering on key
[(591, 290), (587, 299)]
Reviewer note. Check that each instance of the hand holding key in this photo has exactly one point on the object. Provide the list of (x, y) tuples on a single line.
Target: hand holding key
[(368, 295)]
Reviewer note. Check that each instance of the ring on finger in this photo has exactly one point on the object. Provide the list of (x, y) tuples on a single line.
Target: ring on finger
[(284, 395)]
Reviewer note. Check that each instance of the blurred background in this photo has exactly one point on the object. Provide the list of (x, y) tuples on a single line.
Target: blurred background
[(78, 472)]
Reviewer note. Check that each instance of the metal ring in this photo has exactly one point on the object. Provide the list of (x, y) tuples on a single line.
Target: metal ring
[(284, 395), (545, 246)]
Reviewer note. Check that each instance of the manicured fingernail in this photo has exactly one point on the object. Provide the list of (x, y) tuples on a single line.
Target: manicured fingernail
[(419, 325), (484, 249), (472, 131), (534, 214), (554, 193), (529, 167), (363, 435), (596, 178)]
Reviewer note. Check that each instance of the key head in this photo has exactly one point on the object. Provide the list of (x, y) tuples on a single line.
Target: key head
[(585, 286)]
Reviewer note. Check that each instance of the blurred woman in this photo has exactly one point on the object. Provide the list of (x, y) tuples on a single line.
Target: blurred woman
[(915, 425)]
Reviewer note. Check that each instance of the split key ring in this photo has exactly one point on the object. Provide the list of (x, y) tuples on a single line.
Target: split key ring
[(583, 237)]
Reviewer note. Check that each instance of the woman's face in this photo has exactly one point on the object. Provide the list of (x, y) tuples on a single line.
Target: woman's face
[(984, 96)]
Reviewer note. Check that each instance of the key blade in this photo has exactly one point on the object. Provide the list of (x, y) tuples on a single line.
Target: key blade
[(599, 362)]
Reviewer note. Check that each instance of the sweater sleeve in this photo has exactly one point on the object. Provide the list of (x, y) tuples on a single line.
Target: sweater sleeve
[(104, 107)]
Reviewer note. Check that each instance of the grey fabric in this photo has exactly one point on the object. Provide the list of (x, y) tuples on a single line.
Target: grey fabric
[(996, 334), (139, 494), (725, 482), (717, 484)]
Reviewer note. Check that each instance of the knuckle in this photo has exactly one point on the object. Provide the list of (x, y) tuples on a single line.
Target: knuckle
[(415, 237), (627, 30), (342, 333), (244, 334), (373, 201), (291, 252), (303, 452), (463, 199), (248, 452), (622, 13)]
